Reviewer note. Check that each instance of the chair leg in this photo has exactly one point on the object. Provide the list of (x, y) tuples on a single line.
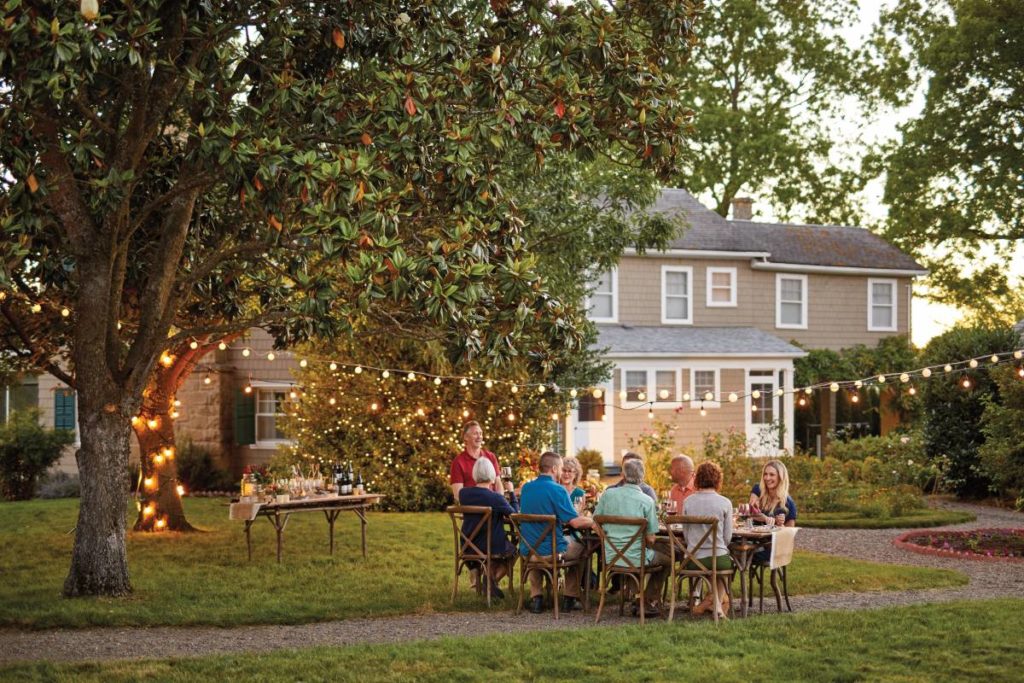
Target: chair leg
[(775, 589), (602, 589), (522, 591), (785, 590), (760, 589), (554, 594), (455, 586)]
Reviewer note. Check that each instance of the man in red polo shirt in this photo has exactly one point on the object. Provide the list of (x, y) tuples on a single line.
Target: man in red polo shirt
[(462, 465)]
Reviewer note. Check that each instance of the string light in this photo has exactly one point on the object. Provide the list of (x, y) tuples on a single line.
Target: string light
[(271, 356), (246, 352), (193, 345), (385, 374), (463, 382), (161, 523), (755, 394), (181, 490), (488, 384), (166, 359), (359, 370), (597, 394), (207, 380), (966, 383), (65, 312), (333, 367), (650, 414), (904, 378), (994, 358), (222, 346), (411, 377), (881, 379), (973, 363), (926, 373), (303, 363), (948, 368), (514, 388), (248, 388), (733, 397), (437, 381), (834, 387), (153, 423), (1018, 354)]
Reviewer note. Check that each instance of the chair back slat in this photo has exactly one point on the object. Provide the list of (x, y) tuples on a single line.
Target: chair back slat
[(686, 549), (620, 550), (536, 549), (465, 545)]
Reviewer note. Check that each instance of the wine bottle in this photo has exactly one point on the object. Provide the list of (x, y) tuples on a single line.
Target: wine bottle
[(360, 489)]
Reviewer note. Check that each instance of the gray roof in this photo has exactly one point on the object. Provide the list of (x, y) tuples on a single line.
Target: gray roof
[(624, 340), (818, 245)]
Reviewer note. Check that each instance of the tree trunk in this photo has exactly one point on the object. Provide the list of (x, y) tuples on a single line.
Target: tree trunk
[(160, 503), (99, 563)]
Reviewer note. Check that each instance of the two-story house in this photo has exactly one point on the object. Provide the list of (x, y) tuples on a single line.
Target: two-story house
[(705, 330)]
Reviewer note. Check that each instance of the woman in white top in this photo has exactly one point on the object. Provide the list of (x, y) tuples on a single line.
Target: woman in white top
[(707, 502)]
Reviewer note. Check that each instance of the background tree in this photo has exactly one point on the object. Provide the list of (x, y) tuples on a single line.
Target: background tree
[(1002, 423), (954, 177), (952, 413), (175, 171), (768, 78)]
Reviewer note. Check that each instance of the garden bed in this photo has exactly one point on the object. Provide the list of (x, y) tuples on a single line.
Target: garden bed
[(996, 545)]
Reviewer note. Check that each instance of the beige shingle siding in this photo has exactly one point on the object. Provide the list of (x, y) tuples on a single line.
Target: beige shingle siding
[(837, 310)]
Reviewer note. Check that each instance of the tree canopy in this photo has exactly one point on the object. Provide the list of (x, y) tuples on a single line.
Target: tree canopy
[(766, 79), (177, 171), (955, 178)]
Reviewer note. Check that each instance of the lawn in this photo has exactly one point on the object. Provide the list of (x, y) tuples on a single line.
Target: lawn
[(912, 520), (204, 578), (954, 641)]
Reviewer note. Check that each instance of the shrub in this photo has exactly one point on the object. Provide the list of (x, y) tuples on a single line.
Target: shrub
[(198, 471), (590, 459), (27, 450), (1002, 454), (59, 485)]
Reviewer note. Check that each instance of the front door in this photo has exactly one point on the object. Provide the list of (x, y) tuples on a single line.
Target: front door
[(593, 425), (762, 414)]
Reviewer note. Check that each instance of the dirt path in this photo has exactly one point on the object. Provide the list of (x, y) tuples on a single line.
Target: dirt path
[(987, 580)]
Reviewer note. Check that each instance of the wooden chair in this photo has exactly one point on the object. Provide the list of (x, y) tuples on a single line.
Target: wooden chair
[(707, 568), (467, 546), (613, 553), (783, 542), (543, 556)]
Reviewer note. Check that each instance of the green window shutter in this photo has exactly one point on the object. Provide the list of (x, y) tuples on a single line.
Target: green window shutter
[(245, 418), (64, 409)]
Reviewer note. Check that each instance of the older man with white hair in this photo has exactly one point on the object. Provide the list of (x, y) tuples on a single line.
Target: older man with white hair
[(629, 500)]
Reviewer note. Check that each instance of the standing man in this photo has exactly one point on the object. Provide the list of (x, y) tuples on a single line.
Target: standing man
[(462, 466), (681, 472)]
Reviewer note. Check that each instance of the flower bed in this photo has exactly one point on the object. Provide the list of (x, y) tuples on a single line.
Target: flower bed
[(1001, 545)]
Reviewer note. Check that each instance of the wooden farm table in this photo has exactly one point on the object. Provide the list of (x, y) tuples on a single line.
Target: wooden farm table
[(278, 513)]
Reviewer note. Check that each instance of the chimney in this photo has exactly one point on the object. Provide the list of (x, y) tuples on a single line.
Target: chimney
[(742, 208)]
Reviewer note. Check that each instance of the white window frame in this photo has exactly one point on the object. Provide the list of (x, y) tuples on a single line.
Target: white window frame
[(267, 386), (665, 270), (614, 274), (779, 277), (672, 400), (626, 403), (695, 400), (872, 281), (731, 303)]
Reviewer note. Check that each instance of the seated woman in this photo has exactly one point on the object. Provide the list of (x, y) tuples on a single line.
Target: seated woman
[(572, 472), (707, 502), (482, 495), (771, 495)]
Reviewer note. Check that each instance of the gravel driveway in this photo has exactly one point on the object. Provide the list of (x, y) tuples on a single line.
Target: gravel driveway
[(987, 580)]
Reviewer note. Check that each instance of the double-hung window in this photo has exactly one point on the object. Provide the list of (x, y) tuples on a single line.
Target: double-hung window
[(635, 384), (665, 386), (704, 387), (271, 406), (881, 305), (791, 301), (676, 295), (603, 303), (721, 287)]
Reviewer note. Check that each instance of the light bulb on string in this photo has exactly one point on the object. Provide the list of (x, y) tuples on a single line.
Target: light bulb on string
[(948, 368), (411, 377), (663, 394), (180, 489), (753, 408), (994, 358), (65, 312), (733, 397), (912, 390), (207, 379), (622, 395), (855, 398), (966, 383), (385, 374), (834, 387), (904, 378), (246, 352), (358, 370), (755, 394), (332, 367), (222, 346), (686, 396), (511, 417), (572, 393), (271, 356), (514, 388), (1018, 354), (881, 379), (703, 413), (780, 392), (802, 401), (708, 396), (973, 363), (303, 363), (809, 390), (437, 381), (926, 373), (858, 384), (541, 388), (642, 396), (597, 394), (488, 384), (650, 414)]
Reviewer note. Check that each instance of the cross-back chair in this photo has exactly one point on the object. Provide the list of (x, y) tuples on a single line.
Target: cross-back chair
[(682, 553), (616, 552), (474, 548), (543, 556)]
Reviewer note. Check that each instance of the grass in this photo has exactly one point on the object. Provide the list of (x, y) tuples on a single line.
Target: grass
[(856, 520), (205, 578), (953, 641)]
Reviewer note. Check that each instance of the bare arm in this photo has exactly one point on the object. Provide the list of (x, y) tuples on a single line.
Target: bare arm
[(455, 491), (581, 522)]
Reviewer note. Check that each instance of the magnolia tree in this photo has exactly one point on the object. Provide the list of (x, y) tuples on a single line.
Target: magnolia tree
[(176, 172)]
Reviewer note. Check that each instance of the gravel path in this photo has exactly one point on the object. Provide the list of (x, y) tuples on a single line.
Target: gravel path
[(987, 580)]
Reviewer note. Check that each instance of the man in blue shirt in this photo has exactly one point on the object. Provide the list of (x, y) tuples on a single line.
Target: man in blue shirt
[(545, 496)]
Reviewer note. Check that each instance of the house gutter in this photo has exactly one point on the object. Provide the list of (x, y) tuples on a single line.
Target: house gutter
[(835, 270)]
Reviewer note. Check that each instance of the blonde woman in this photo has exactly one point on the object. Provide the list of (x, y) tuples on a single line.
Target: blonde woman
[(572, 472), (771, 495)]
